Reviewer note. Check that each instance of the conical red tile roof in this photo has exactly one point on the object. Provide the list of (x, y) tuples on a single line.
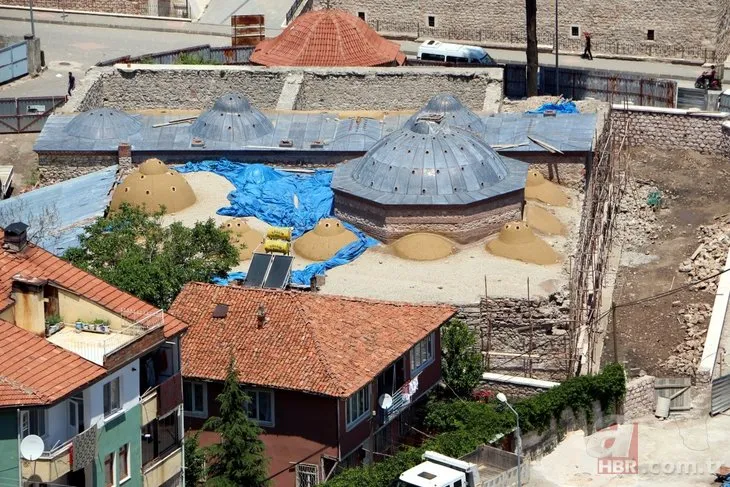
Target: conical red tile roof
[(327, 38)]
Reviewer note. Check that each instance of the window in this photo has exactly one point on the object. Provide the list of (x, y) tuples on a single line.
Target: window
[(124, 463), (650, 35), (433, 57), (422, 354), (307, 475), (456, 59), (111, 397), (109, 470), (194, 398), (575, 31), (260, 407), (431, 21), (33, 422), (160, 437), (457, 483), (361, 15), (358, 406)]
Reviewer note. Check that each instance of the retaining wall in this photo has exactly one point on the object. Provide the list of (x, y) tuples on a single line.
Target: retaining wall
[(669, 128), (639, 399)]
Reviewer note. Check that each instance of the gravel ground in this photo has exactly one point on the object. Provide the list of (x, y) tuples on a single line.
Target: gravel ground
[(379, 274)]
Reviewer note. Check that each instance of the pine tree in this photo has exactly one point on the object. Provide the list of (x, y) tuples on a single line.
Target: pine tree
[(194, 461), (238, 460)]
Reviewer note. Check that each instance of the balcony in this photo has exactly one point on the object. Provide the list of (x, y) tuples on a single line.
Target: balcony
[(162, 398), (159, 472), (51, 465)]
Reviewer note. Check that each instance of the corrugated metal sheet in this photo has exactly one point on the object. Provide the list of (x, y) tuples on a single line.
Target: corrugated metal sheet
[(66, 207), (720, 395)]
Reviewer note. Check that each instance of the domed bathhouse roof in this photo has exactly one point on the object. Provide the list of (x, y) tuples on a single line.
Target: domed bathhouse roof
[(328, 37), (154, 185), (450, 110), (103, 124), (232, 119), (430, 163)]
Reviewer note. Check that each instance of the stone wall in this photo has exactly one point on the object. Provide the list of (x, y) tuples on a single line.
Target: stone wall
[(667, 128), (131, 7), (639, 399), (502, 326), (56, 167), (140, 87), (723, 32), (512, 391), (674, 22)]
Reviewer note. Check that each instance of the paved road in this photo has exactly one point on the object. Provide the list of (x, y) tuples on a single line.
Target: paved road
[(75, 49), (220, 11)]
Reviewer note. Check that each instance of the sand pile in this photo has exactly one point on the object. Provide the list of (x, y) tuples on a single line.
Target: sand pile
[(153, 186), (517, 241), (540, 189), (324, 240), (423, 246), (243, 237), (542, 220)]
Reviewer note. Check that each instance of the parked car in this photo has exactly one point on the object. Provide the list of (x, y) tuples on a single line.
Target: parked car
[(453, 53)]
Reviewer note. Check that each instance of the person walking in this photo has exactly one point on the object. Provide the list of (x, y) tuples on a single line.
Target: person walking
[(587, 54), (71, 83)]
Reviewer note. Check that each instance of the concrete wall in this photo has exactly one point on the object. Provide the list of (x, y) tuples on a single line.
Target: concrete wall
[(131, 7), (9, 459), (668, 128), (164, 470), (72, 307), (674, 21), (197, 87), (123, 430), (639, 399), (129, 396)]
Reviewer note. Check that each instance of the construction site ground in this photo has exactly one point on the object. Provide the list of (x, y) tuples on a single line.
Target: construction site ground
[(17, 150), (654, 245)]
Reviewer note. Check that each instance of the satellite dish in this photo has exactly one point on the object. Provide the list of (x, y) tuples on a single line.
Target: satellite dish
[(31, 448), (385, 401)]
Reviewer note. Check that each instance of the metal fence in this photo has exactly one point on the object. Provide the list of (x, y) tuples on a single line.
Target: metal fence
[(203, 54), (23, 115), (581, 83), (546, 37), (13, 61)]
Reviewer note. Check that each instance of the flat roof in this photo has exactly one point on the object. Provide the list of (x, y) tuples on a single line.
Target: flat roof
[(428, 474), (92, 346)]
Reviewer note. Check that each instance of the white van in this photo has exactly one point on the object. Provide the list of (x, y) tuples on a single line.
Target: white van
[(453, 53)]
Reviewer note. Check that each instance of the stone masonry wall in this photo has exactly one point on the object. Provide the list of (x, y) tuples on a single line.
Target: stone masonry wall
[(140, 87), (676, 22), (512, 391), (639, 399), (131, 7), (510, 321), (671, 128), (54, 168), (723, 32)]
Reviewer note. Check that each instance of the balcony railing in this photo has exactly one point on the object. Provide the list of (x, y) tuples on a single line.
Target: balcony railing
[(71, 455)]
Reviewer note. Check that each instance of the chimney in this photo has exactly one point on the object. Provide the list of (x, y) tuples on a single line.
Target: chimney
[(29, 309), (261, 315), (16, 237)]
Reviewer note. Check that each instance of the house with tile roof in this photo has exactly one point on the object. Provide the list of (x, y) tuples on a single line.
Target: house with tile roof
[(90, 371), (330, 379)]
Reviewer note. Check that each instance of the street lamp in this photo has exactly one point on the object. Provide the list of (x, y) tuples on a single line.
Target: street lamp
[(503, 399)]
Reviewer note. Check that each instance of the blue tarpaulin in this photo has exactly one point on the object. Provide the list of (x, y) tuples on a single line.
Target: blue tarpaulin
[(282, 199), (562, 106)]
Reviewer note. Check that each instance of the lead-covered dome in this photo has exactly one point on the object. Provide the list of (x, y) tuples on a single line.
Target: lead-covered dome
[(232, 119), (450, 110), (430, 162), (103, 124)]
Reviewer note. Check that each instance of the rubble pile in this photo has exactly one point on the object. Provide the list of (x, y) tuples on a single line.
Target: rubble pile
[(637, 224), (685, 357), (710, 256)]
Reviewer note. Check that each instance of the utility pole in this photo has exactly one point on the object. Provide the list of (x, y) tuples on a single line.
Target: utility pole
[(613, 326), (557, 49), (32, 22)]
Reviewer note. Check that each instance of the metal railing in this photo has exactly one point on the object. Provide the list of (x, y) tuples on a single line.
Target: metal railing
[(292, 12)]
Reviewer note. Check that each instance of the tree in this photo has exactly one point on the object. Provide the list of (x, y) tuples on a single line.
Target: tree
[(194, 461), (462, 362), (134, 251), (531, 18), (239, 458)]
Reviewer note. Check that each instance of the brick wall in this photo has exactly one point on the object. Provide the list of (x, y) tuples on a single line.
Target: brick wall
[(639, 399), (672, 128), (131, 7), (674, 22)]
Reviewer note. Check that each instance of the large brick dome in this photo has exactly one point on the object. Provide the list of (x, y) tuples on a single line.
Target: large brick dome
[(328, 38)]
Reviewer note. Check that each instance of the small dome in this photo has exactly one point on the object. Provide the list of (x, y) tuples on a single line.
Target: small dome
[(103, 124), (540, 189), (328, 37), (244, 238), (450, 110), (324, 240), (427, 162), (517, 241), (232, 119), (423, 246), (153, 186)]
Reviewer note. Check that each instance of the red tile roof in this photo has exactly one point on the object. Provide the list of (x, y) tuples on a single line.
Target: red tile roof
[(315, 343), (327, 38), (39, 372), (37, 263)]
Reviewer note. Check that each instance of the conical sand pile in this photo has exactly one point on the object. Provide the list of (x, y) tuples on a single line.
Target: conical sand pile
[(153, 186), (324, 240), (540, 189), (542, 220), (517, 241), (423, 246), (243, 237)]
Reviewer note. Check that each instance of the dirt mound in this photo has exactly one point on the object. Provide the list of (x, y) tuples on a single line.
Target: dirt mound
[(540, 189), (517, 241), (324, 240), (542, 220), (423, 246)]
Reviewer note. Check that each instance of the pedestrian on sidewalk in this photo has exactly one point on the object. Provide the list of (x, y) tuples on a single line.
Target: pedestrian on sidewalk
[(587, 54), (71, 83)]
